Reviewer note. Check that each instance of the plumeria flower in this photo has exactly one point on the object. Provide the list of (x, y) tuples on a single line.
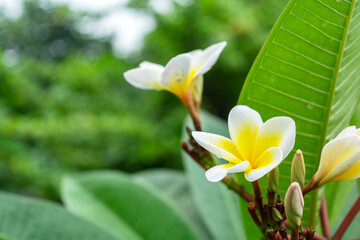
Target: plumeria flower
[(182, 75), (340, 158), (255, 148)]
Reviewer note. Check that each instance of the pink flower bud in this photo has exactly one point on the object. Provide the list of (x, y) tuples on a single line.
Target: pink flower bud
[(294, 205)]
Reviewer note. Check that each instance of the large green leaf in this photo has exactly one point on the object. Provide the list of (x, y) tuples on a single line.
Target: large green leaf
[(124, 207), (173, 184), (29, 219), (217, 204), (353, 232), (308, 70)]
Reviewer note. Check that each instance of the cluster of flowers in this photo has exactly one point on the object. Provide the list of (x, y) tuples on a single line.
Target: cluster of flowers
[(255, 147)]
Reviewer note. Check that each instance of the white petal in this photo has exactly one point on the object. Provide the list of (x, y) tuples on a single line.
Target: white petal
[(217, 173), (244, 124), (349, 131), (346, 170), (155, 66), (221, 146), (335, 152), (176, 73), (145, 77), (269, 160), (204, 61), (275, 132), (241, 167)]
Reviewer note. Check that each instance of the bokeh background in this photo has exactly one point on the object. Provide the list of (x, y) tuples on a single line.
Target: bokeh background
[(64, 104)]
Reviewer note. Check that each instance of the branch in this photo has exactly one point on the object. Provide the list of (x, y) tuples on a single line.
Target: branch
[(347, 220), (228, 180), (252, 210), (324, 218), (259, 199)]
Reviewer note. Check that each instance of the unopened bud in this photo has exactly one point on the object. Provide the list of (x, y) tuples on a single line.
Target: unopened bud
[(298, 169), (276, 215), (273, 180), (294, 205)]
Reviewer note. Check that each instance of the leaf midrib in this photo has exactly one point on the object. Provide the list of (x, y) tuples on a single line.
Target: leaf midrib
[(328, 109)]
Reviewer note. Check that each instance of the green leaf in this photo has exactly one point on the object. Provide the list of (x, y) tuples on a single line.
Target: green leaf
[(30, 219), (353, 232), (173, 184), (217, 204), (124, 207), (307, 70), (336, 195)]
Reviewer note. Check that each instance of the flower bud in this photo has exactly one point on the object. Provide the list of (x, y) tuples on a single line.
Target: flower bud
[(273, 180), (276, 215), (294, 204), (298, 169)]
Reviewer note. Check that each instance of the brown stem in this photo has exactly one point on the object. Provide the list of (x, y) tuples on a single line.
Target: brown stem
[(310, 232), (259, 199), (347, 220), (309, 187), (282, 231), (295, 234), (228, 181), (270, 233), (252, 210), (324, 218), (231, 184), (194, 113), (271, 198)]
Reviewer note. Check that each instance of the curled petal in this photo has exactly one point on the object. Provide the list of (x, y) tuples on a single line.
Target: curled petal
[(244, 124), (270, 159), (348, 169), (147, 76), (202, 61), (276, 132), (334, 153), (221, 146), (217, 173), (349, 131), (241, 167)]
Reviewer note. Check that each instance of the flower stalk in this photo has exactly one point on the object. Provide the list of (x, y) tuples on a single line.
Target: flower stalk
[(259, 199), (252, 210), (347, 220), (324, 218)]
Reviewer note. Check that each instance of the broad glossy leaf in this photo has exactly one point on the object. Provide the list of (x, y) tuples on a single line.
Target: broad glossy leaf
[(353, 232), (337, 193), (30, 219), (124, 207), (173, 184), (217, 205), (308, 70)]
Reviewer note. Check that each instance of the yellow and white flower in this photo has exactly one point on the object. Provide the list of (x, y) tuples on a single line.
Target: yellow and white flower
[(340, 158), (255, 148), (181, 74)]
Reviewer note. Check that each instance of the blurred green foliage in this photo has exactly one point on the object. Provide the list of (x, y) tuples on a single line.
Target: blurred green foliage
[(64, 105)]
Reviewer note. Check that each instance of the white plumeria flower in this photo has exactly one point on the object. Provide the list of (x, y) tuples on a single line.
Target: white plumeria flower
[(179, 74), (254, 148), (340, 158)]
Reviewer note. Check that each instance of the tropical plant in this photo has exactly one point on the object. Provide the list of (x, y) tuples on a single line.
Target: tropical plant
[(306, 73)]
